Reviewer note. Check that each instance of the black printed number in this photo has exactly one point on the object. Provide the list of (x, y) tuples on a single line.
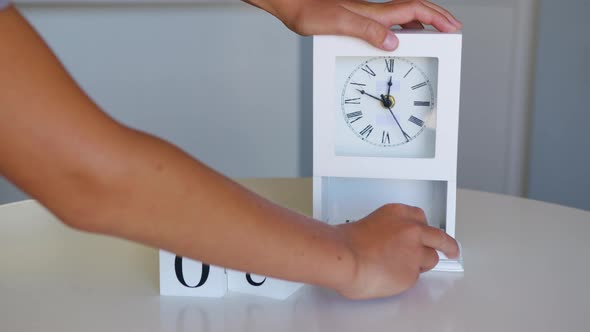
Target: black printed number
[(180, 274)]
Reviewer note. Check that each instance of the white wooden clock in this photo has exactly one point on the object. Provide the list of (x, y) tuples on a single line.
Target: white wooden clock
[(385, 127)]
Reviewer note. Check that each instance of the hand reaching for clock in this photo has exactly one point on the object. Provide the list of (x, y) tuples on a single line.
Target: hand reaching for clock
[(357, 18), (392, 246), (162, 197)]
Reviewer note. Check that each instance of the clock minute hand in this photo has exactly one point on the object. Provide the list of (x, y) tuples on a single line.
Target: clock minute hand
[(406, 136), (370, 95)]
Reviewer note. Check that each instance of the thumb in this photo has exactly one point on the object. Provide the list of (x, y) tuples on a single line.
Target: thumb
[(369, 30)]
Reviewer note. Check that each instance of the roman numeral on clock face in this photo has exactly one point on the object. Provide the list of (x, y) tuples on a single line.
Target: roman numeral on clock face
[(408, 73), (389, 63), (421, 103), (367, 131), (368, 70), (385, 138), (354, 116), (417, 86), (416, 121), (353, 101)]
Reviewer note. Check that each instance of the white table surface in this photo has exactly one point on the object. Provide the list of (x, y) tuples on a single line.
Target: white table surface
[(526, 269)]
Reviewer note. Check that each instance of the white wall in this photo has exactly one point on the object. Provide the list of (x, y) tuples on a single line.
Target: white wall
[(232, 86)]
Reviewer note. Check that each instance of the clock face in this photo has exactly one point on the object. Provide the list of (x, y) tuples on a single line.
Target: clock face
[(387, 104), (386, 100)]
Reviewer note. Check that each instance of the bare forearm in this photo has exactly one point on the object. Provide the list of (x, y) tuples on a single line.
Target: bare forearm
[(168, 200), (99, 176)]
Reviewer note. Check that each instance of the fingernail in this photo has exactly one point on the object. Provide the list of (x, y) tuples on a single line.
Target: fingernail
[(390, 42)]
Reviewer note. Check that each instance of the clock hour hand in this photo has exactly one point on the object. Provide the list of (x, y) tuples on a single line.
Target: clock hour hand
[(370, 95), (389, 84), (406, 136)]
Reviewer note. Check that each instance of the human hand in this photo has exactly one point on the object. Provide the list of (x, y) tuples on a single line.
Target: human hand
[(359, 18), (391, 247)]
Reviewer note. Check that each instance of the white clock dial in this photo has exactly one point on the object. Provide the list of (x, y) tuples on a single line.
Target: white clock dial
[(386, 101)]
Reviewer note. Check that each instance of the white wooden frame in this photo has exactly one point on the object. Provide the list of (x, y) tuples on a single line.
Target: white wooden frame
[(443, 167), (445, 47)]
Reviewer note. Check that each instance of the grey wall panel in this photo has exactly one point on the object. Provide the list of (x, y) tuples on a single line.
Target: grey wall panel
[(560, 143)]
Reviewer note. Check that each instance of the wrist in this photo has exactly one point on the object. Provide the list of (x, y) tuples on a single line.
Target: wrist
[(341, 275)]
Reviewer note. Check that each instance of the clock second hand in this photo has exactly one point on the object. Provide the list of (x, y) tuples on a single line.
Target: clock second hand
[(406, 136)]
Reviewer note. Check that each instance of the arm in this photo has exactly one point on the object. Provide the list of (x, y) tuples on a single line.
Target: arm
[(358, 18), (99, 176)]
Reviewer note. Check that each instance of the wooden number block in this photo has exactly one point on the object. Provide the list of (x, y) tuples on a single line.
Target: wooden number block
[(186, 277), (259, 285)]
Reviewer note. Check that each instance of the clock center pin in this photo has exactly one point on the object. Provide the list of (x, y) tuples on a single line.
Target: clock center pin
[(388, 101)]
